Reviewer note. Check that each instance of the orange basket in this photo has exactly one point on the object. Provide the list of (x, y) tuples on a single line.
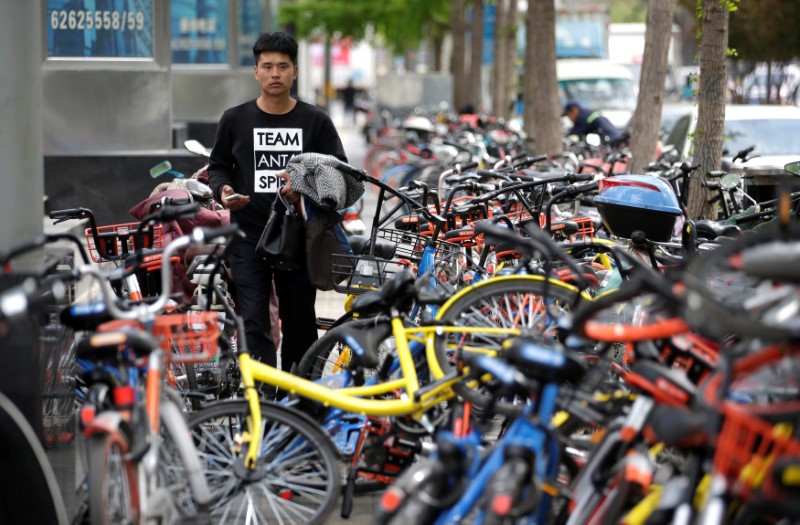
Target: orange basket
[(118, 241), (189, 337), (747, 447)]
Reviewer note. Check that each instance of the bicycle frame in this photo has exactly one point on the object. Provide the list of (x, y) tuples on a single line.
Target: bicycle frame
[(531, 431), (414, 401)]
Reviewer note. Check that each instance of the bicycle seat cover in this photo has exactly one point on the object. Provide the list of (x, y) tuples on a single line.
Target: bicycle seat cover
[(548, 363), (384, 249)]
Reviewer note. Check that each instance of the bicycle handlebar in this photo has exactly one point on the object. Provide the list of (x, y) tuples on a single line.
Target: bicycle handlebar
[(39, 241), (19, 299)]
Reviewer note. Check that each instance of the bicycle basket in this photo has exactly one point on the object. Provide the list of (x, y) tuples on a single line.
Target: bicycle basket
[(189, 337), (747, 447), (358, 274), (410, 245), (118, 241)]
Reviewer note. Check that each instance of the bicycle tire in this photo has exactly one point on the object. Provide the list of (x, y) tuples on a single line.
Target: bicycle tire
[(290, 491), (496, 303), (29, 491), (716, 307), (112, 480), (180, 468), (330, 354)]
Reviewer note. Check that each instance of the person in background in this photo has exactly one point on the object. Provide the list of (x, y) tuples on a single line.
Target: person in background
[(349, 93), (254, 142), (585, 121)]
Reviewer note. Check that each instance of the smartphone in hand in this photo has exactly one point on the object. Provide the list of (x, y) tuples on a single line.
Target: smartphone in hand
[(232, 197)]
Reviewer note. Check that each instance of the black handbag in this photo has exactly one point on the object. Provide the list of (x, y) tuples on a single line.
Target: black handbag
[(282, 243)]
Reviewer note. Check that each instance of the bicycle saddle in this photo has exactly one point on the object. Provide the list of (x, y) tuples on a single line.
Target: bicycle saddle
[(713, 229), (675, 426), (396, 292)]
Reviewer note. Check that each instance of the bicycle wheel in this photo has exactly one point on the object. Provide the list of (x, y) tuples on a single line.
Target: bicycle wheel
[(112, 480), (526, 304), (300, 481), (29, 491), (748, 287), (330, 354)]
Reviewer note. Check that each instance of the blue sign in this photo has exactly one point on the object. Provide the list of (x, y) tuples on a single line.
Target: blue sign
[(100, 28), (199, 30), (489, 14)]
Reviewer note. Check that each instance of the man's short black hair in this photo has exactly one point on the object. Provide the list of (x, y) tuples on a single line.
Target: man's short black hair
[(278, 42), (569, 105)]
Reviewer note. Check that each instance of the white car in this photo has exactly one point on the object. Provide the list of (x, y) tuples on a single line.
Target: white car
[(773, 130), (598, 84)]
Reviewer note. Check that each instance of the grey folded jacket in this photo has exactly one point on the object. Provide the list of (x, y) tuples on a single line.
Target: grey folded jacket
[(315, 175)]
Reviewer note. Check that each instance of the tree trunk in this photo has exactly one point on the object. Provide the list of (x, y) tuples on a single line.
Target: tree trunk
[(542, 112), (438, 43), (458, 63), (646, 120), (476, 56), (510, 83), (499, 67), (708, 137)]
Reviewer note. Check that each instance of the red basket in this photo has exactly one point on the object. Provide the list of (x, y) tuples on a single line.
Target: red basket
[(190, 337), (118, 241), (747, 447)]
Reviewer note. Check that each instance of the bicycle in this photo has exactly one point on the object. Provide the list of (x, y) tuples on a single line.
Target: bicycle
[(132, 425)]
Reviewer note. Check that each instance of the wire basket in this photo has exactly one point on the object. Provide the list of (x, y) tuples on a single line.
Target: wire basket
[(190, 337), (358, 274), (410, 245), (747, 447), (118, 241)]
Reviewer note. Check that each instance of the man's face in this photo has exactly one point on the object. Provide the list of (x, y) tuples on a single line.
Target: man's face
[(572, 114), (275, 73)]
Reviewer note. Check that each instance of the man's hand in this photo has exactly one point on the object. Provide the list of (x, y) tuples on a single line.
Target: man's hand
[(232, 200), (286, 189)]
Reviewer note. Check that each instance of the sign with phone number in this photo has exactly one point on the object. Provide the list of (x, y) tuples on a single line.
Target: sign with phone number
[(124, 30)]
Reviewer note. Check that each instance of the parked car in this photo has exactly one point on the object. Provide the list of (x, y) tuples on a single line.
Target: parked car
[(773, 130)]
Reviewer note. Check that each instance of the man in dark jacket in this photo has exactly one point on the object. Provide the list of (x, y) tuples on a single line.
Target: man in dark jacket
[(585, 121), (247, 168)]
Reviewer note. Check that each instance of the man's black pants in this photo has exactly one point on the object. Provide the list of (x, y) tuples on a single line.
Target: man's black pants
[(296, 296)]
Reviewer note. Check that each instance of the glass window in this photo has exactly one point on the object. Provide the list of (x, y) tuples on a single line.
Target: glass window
[(99, 29), (599, 93), (770, 137), (251, 24), (199, 30)]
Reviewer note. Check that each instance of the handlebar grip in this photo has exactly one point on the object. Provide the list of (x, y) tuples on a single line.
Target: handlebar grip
[(580, 177), (176, 201), (572, 190), (483, 172), (21, 299), (206, 235), (460, 168), (350, 170), (171, 213), (70, 213)]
